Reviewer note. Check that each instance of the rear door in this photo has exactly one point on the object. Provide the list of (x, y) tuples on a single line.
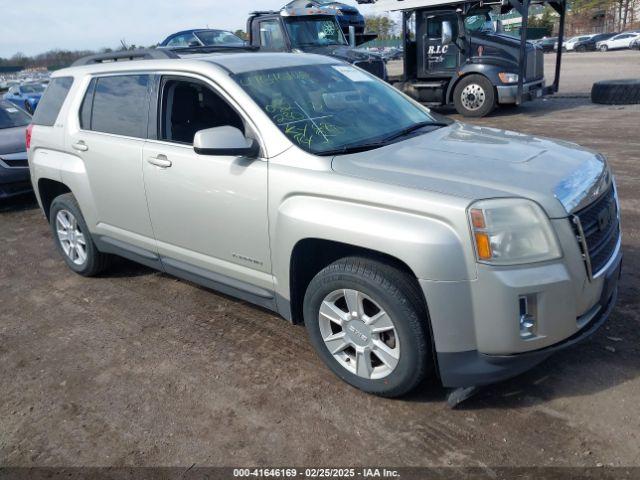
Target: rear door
[(113, 129)]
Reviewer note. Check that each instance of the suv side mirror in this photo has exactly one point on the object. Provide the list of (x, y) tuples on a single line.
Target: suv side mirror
[(447, 33), (225, 141)]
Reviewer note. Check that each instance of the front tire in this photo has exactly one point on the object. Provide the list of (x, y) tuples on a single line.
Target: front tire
[(73, 239), (604, 48), (474, 96), (367, 322)]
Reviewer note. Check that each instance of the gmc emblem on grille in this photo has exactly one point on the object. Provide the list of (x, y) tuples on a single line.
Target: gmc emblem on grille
[(606, 216)]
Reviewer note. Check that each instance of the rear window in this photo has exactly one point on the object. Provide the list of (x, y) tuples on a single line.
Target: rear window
[(120, 105), (11, 117), (52, 101)]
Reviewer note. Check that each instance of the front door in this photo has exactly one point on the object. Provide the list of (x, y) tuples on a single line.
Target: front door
[(438, 59), (209, 213)]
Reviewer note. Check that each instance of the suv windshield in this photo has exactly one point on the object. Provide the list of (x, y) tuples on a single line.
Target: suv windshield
[(11, 117), (32, 89), (213, 38), (314, 31), (334, 108)]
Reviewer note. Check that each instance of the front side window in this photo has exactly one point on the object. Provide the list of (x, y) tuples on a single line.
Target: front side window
[(11, 117), (51, 103), (121, 105), (188, 106), (314, 32), (327, 107), (271, 36)]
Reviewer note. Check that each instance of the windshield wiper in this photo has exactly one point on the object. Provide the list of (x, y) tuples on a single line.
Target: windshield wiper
[(415, 127), (347, 149), (363, 147)]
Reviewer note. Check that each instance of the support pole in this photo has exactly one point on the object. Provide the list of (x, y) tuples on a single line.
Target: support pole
[(556, 78), (522, 64)]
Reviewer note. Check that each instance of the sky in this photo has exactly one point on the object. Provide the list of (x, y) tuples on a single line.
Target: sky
[(36, 26)]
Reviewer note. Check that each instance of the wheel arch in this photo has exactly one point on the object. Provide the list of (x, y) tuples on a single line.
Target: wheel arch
[(310, 255), (490, 72), (48, 190)]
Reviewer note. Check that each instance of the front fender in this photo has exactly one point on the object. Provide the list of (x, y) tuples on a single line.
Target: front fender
[(490, 71), (429, 246)]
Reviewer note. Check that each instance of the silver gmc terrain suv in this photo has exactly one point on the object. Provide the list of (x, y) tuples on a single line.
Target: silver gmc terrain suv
[(409, 245)]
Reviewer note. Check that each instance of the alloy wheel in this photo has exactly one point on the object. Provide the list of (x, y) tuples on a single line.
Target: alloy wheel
[(359, 334), (72, 240)]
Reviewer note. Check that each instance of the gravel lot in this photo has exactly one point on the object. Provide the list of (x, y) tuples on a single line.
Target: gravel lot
[(138, 368)]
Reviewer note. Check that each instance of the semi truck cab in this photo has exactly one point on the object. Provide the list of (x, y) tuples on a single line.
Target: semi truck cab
[(311, 30)]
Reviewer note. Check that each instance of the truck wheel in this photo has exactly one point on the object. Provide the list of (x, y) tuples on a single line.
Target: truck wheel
[(474, 96), (367, 322), (73, 238), (616, 92)]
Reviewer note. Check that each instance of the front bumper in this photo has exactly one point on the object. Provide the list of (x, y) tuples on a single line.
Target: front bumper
[(472, 368), (508, 94), (14, 180)]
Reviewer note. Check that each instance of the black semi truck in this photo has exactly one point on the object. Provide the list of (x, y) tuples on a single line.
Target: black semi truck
[(456, 53), (311, 30)]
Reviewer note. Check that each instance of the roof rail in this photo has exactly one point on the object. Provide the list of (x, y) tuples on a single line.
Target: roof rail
[(128, 55), (214, 49), (263, 12)]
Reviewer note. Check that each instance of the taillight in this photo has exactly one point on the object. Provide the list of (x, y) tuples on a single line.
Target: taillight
[(28, 136)]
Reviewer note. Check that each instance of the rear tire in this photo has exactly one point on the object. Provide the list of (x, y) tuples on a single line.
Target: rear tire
[(474, 96), (367, 322), (73, 238)]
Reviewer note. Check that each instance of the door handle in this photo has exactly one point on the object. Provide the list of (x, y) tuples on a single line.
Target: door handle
[(160, 161), (80, 146)]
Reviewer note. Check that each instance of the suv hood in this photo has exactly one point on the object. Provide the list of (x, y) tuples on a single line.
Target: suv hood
[(479, 162)]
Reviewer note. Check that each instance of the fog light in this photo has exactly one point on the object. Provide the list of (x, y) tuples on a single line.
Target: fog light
[(528, 321)]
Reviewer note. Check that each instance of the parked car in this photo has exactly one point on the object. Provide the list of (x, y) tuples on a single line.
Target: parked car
[(622, 40), (569, 45), (347, 15), (14, 169), (547, 44), (202, 38), (404, 242), (26, 95), (589, 45)]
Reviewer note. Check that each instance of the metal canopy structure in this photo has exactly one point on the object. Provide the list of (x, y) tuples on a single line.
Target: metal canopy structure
[(521, 6)]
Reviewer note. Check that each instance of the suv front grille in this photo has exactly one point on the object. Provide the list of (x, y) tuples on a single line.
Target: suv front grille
[(598, 231)]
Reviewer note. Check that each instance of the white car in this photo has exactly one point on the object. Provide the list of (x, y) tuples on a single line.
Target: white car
[(622, 40), (570, 44)]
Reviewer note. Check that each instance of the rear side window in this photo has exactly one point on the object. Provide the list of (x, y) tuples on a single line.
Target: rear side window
[(120, 105), (52, 101)]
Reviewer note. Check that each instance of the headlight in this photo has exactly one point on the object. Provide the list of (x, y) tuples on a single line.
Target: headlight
[(512, 231), (508, 77)]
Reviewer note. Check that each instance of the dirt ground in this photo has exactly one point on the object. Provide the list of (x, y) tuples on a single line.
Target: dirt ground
[(138, 368)]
